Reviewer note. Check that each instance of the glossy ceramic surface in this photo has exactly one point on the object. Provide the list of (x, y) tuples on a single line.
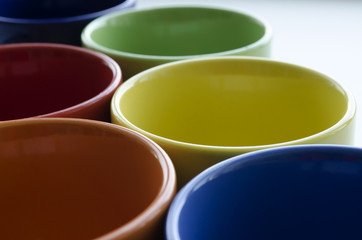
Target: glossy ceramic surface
[(81, 179), (296, 192), (54, 80), (56, 21), (202, 111), (141, 38)]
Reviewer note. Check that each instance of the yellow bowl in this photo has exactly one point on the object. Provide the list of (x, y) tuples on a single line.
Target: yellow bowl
[(202, 111)]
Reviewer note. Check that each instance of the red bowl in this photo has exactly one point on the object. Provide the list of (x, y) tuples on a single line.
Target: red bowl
[(56, 80)]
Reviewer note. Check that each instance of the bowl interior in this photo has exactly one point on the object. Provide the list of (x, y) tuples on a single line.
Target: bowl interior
[(178, 31), (230, 102), (68, 181), (303, 194), (40, 79), (43, 9)]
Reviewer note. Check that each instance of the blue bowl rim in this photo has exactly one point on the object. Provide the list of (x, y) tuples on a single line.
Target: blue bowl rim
[(79, 18)]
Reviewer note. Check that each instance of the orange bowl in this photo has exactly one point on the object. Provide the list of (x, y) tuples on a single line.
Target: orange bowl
[(81, 179)]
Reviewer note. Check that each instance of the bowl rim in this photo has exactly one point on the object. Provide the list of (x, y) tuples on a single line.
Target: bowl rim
[(166, 192), (78, 18), (344, 122), (233, 163), (88, 42), (117, 77)]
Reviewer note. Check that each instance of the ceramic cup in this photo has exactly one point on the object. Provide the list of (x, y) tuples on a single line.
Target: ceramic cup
[(142, 38), (56, 21), (202, 111), (55, 80), (65, 178), (294, 192)]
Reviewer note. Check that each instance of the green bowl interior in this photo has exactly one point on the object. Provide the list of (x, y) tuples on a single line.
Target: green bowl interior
[(177, 31)]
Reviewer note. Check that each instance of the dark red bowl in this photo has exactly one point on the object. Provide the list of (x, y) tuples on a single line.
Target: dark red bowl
[(56, 80)]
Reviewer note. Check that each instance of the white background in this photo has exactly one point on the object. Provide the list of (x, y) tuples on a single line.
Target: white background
[(324, 35)]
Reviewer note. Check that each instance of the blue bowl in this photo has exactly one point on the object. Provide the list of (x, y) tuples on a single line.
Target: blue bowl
[(56, 21), (296, 192)]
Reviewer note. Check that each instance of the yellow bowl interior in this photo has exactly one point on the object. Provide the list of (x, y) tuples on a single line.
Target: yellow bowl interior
[(232, 102)]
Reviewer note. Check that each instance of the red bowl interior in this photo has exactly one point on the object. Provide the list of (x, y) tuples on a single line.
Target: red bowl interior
[(39, 79)]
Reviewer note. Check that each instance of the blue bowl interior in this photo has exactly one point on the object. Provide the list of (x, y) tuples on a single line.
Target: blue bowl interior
[(43, 9), (313, 193)]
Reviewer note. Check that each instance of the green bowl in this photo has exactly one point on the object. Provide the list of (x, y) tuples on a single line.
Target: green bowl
[(142, 38)]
